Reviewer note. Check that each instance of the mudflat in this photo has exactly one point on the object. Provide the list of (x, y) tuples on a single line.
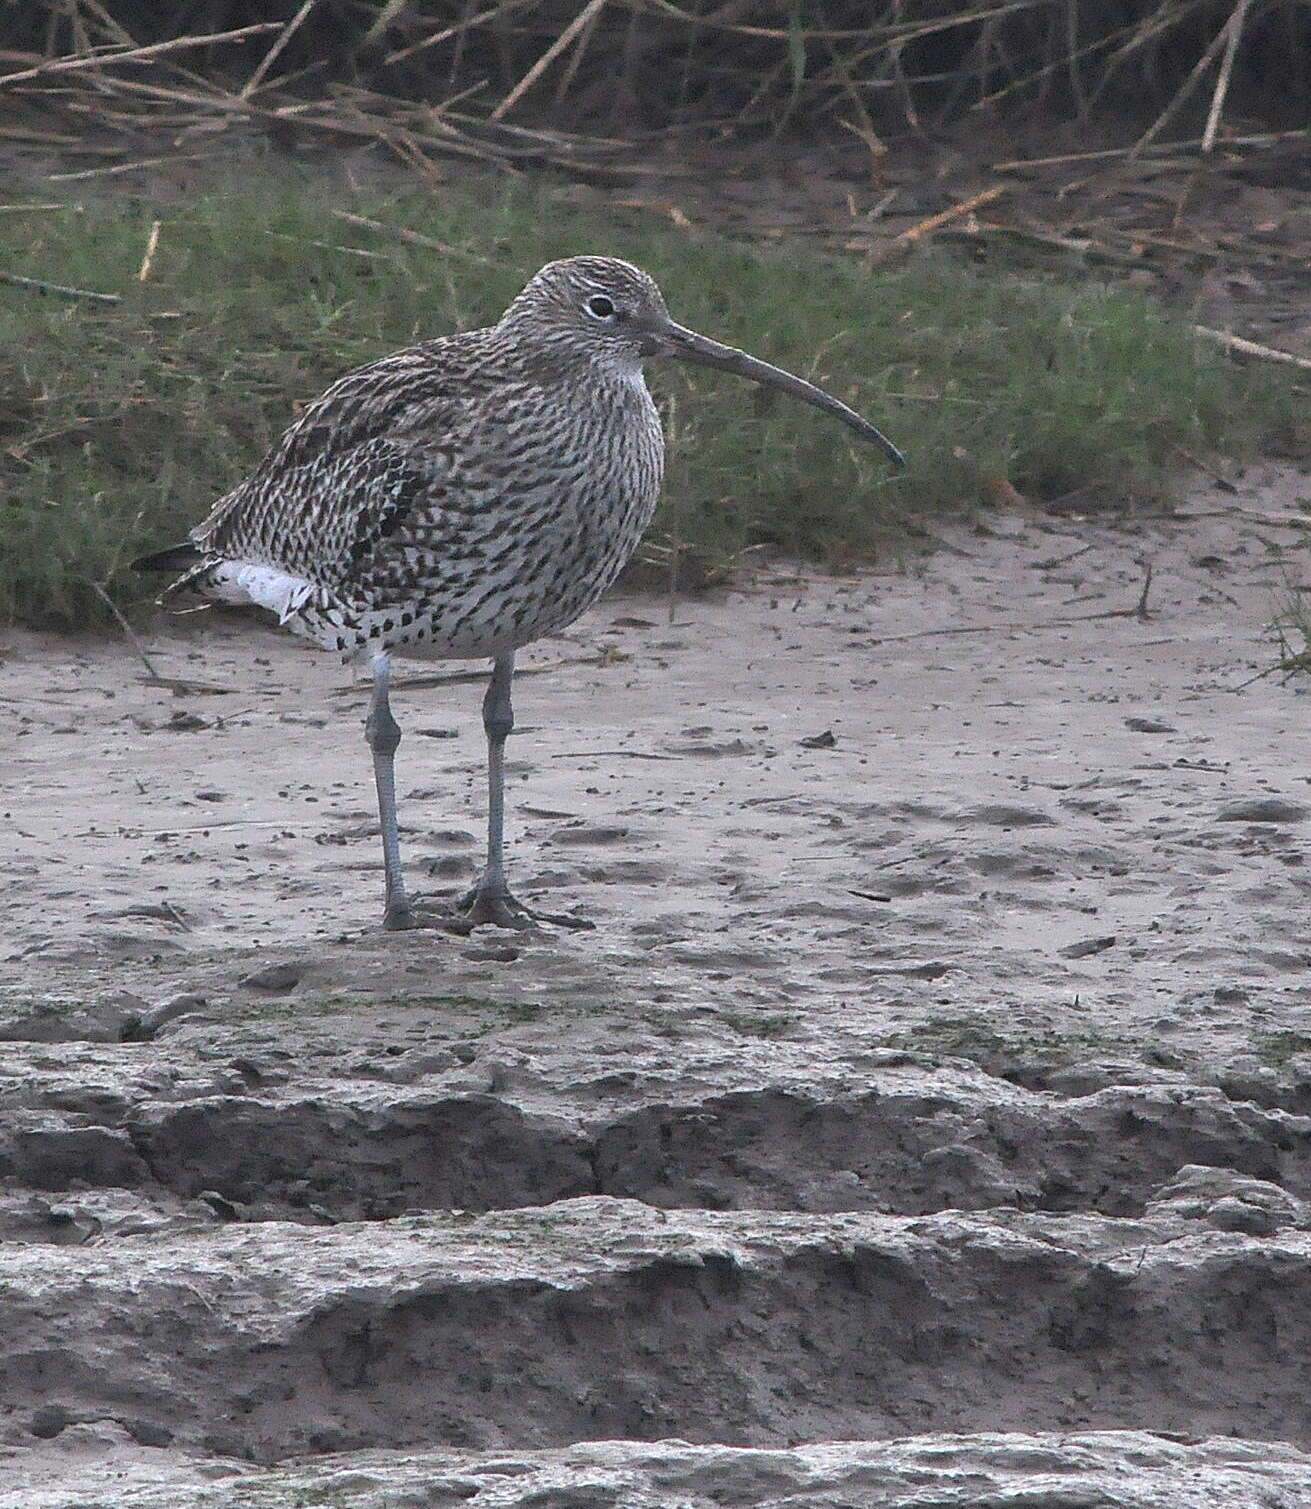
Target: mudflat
[(936, 1078)]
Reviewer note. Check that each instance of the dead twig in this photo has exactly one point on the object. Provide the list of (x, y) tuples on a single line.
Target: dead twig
[(1243, 347), (414, 238), (1260, 139), (914, 232), (39, 285), (133, 167), (564, 40), (271, 56), (1184, 90), (1080, 246), (184, 686), (612, 754), (1235, 30), (128, 631), (143, 272), (134, 54), (458, 30), (1053, 561)]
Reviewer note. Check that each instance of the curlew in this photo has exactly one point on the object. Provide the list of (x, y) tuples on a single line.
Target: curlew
[(460, 499)]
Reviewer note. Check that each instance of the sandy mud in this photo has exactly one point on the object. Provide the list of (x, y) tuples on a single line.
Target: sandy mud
[(936, 1080)]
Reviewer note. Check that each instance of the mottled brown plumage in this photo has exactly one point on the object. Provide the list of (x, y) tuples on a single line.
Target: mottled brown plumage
[(460, 498), (465, 497)]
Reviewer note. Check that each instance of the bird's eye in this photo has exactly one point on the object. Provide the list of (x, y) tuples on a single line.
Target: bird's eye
[(600, 307)]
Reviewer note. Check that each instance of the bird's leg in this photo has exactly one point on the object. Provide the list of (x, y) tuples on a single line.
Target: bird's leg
[(498, 723), (383, 734), (490, 900)]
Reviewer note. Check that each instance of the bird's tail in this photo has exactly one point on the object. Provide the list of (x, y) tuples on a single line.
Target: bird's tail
[(175, 558), (187, 558)]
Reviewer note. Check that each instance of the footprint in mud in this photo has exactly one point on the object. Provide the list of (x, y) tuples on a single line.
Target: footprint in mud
[(629, 867), (450, 866), (586, 834), (1025, 863), (119, 944), (714, 749), (1003, 815), (730, 960), (629, 872)]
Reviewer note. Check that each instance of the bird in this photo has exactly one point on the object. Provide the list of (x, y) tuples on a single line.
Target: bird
[(460, 499)]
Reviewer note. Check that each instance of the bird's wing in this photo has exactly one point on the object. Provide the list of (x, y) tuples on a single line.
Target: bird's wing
[(379, 449)]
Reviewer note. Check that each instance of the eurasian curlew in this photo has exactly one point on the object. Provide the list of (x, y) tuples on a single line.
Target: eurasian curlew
[(462, 498)]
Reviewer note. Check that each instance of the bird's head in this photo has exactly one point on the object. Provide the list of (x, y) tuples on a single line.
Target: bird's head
[(610, 310), (599, 304)]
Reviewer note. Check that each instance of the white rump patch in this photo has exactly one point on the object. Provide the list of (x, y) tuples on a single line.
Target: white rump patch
[(244, 582)]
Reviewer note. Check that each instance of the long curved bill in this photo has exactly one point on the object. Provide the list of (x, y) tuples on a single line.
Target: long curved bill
[(686, 345)]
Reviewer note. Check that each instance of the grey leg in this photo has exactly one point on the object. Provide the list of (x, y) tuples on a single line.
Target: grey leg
[(491, 900), (498, 722), (383, 734)]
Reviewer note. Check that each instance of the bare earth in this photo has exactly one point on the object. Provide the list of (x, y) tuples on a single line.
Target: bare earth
[(948, 1013)]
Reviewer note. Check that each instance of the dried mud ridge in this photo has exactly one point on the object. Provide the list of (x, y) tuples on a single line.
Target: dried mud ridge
[(767, 1193)]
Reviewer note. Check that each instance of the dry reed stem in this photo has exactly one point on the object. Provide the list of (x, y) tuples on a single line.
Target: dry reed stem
[(460, 27), (899, 33), (1184, 90), (128, 631), (1244, 347), (134, 54), (1254, 139), (136, 166), (271, 56), (382, 21), (963, 208), (1235, 29), (108, 22), (402, 233), (565, 39), (699, 52), (143, 272), (1069, 61), (39, 285)]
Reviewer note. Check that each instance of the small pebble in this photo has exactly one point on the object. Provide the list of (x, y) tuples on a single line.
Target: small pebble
[(149, 1022), (1087, 946), (185, 723), (274, 978)]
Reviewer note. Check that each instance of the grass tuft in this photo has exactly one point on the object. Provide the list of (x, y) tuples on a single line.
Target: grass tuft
[(119, 425), (1291, 629)]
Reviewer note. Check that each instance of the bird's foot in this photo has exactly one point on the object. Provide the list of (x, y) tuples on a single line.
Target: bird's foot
[(483, 906), (399, 916), (501, 909)]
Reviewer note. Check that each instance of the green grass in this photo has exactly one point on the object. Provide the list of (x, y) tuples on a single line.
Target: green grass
[(120, 425), (1277, 1048), (971, 1035), (1291, 630), (765, 1024)]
